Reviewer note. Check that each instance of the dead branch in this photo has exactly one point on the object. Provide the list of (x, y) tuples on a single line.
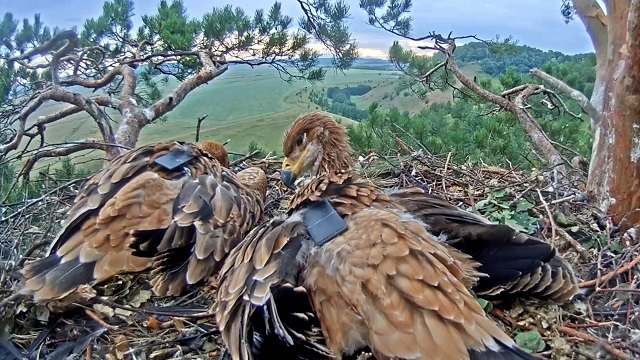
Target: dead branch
[(246, 157), (92, 108), (61, 114), (427, 76), (576, 95), (537, 135), (587, 337), (72, 40), (610, 275), (518, 107), (39, 199), (563, 329), (131, 125), (64, 150), (22, 121), (91, 83), (200, 120), (208, 72), (49, 46)]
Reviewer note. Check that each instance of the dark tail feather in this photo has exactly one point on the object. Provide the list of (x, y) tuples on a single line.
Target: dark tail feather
[(297, 318), (48, 278), (516, 263), (145, 243), (149, 243), (170, 268), (505, 352)]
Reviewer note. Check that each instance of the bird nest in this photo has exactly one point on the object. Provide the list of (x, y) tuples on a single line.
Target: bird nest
[(122, 319)]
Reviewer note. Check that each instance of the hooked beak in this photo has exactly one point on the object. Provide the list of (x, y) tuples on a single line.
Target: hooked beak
[(288, 174), (288, 178)]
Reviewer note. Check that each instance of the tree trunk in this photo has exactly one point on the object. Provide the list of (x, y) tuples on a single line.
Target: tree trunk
[(595, 22), (614, 173)]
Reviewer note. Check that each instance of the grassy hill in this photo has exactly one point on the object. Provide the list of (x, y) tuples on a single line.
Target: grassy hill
[(246, 104), (387, 95), (243, 105)]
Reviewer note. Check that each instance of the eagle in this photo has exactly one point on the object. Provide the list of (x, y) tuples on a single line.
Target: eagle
[(515, 262), (173, 207), (374, 276)]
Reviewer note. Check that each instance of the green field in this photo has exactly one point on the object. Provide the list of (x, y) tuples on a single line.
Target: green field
[(385, 94), (243, 105)]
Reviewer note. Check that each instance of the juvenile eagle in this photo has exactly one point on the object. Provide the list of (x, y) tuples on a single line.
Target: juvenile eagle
[(171, 206), (516, 263), (376, 278)]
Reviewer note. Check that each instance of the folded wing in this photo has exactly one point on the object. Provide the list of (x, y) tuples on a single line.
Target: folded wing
[(517, 263), (389, 284), (134, 197), (261, 309)]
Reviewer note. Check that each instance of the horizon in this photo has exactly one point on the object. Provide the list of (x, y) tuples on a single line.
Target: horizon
[(486, 20)]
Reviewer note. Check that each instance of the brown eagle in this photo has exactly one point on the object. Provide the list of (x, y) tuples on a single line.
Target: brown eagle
[(516, 263), (375, 277), (173, 206)]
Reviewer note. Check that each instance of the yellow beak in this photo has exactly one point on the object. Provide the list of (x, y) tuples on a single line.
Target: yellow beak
[(290, 172)]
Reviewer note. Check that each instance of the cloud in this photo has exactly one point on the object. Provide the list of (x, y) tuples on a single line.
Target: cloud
[(533, 22), (372, 53), (414, 46), (364, 52)]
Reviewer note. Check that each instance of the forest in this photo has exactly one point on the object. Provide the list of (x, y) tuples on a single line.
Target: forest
[(444, 127)]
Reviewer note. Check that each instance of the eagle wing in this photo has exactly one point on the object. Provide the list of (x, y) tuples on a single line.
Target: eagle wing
[(260, 305), (212, 214), (385, 284), (131, 195), (388, 284), (516, 263)]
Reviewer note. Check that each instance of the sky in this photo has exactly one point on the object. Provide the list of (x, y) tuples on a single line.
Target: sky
[(532, 22)]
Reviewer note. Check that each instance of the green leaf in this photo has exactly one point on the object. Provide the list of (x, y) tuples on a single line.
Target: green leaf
[(523, 205), (498, 193), (530, 341), (486, 305), (561, 219), (575, 228), (616, 247), (501, 204), (514, 224), (481, 204), (507, 214)]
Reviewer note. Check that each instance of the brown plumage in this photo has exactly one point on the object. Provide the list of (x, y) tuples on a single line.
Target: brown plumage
[(216, 150), (385, 283), (135, 214), (517, 264)]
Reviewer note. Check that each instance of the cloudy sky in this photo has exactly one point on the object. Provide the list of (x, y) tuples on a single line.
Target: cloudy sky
[(533, 22)]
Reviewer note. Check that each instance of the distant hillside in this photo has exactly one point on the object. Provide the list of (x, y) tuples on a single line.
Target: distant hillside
[(363, 63), (521, 58)]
